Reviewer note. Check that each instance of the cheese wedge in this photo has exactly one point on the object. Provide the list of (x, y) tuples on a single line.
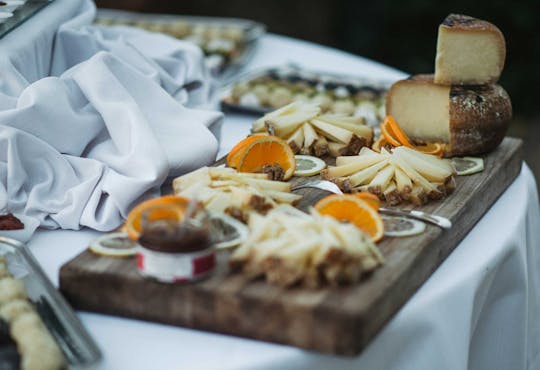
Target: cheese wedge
[(470, 119), (469, 52)]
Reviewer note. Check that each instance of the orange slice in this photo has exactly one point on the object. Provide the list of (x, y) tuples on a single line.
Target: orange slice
[(166, 207), (379, 143), (388, 136), (370, 199), (267, 150), (433, 148), (352, 209), (394, 134), (238, 149)]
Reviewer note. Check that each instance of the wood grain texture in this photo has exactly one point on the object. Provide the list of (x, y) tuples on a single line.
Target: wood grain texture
[(332, 320)]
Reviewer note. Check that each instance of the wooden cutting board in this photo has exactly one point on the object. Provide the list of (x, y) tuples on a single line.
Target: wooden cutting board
[(332, 320)]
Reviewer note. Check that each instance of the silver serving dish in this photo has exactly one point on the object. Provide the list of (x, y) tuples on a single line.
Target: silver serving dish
[(295, 75), (80, 351), (15, 12), (251, 32)]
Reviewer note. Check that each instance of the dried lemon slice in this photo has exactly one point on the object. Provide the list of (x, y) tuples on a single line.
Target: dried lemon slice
[(401, 226), (226, 230), (468, 165), (307, 165), (114, 245)]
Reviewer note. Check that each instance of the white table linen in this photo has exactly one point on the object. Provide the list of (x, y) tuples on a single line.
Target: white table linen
[(477, 311), (107, 128)]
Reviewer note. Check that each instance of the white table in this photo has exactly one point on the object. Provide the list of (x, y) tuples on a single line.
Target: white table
[(479, 310)]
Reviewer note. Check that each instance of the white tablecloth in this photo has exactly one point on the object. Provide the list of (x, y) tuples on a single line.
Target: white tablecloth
[(479, 310)]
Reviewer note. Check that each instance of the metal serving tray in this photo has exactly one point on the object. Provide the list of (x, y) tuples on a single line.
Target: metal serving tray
[(301, 75), (20, 13), (79, 349), (252, 32)]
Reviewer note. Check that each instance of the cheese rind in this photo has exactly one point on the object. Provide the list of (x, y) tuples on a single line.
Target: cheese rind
[(469, 52), (470, 119)]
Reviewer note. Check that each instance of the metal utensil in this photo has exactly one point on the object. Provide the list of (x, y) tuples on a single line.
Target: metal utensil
[(329, 186)]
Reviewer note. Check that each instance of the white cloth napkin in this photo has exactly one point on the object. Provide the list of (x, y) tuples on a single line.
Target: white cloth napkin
[(81, 147)]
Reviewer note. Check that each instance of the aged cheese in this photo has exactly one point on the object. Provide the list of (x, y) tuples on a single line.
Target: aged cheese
[(470, 119), (469, 52)]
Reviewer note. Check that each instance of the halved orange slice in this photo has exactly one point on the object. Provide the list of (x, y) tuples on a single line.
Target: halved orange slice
[(267, 151), (394, 134), (351, 208), (432, 148), (167, 207), (370, 199), (238, 149)]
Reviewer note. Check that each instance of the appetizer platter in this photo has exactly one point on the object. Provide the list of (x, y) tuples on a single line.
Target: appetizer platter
[(38, 330), (228, 43), (266, 90), (296, 236), (15, 12)]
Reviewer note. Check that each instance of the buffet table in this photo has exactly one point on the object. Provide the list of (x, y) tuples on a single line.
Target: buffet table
[(477, 311)]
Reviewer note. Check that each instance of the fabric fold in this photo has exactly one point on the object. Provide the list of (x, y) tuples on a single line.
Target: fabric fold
[(79, 149)]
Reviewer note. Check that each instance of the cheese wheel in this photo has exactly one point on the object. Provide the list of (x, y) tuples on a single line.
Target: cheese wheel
[(469, 52), (470, 119)]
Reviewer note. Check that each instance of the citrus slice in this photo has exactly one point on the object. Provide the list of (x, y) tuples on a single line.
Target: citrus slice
[(307, 165), (238, 149), (227, 231), (114, 245), (379, 143), (370, 199), (468, 165), (401, 226), (433, 149), (267, 151), (352, 209), (388, 135), (169, 206), (394, 134)]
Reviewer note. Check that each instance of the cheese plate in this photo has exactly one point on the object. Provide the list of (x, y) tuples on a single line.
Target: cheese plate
[(337, 320)]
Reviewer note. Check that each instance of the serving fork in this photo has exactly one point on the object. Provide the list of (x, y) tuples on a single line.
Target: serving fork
[(329, 186)]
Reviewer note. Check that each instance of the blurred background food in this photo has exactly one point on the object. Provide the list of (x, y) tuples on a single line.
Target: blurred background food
[(401, 34)]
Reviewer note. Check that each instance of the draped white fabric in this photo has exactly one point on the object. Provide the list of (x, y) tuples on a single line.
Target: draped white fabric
[(107, 126)]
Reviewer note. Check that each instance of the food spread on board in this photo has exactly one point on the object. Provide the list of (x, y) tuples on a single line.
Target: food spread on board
[(429, 117), (371, 149)]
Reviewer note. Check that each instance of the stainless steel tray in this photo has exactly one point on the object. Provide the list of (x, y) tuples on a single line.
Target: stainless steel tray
[(79, 349), (20, 14), (252, 32), (303, 76)]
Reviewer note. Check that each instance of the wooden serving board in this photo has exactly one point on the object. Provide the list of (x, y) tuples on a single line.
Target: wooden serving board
[(337, 320)]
